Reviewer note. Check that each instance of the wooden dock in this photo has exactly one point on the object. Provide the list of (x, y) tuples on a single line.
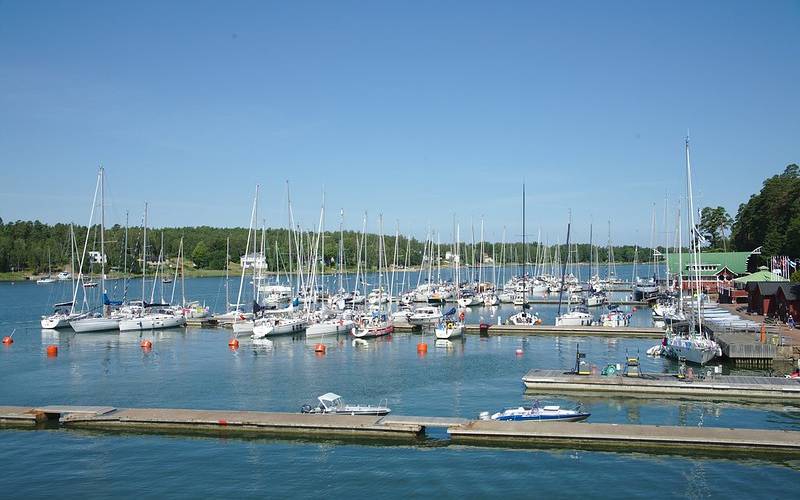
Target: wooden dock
[(652, 385), (577, 331), (395, 428)]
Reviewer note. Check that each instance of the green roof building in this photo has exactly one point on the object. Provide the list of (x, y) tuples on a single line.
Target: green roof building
[(763, 274), (727, 264)]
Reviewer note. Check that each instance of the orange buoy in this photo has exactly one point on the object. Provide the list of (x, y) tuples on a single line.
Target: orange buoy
[(8, 340), (320, 348), (233, 344), (422, 347), (146, 344), (520, 352), (52, 351)]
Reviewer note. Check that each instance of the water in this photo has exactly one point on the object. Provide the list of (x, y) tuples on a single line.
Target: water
[(194, 368)]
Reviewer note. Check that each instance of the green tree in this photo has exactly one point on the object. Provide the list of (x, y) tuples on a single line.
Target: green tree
[(795, 277), (713, 223), (772, 217), (200, 255)]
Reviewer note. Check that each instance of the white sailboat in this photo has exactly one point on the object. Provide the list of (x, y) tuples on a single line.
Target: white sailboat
[(49, 278), (691, 341), (106, 320)]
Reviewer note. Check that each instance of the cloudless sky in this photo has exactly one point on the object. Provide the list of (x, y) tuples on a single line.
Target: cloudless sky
[(417, 110)]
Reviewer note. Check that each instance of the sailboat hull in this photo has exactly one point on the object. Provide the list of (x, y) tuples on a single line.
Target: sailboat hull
[(89, 325), (151, 322)]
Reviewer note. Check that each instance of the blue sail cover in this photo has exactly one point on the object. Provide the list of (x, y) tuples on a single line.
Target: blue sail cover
[(108, 302), (451, 312)]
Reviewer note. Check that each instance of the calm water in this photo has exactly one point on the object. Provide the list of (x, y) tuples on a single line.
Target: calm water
[(194, 368)]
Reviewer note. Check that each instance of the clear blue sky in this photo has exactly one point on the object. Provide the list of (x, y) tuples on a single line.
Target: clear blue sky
[(418, 110)]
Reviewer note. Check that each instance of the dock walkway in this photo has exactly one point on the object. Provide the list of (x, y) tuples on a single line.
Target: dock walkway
[(577, 331), (657, 385), (393, 429)]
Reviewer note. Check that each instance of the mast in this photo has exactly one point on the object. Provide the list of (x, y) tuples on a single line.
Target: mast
[(564, 268), (102, 238), (227, 273), (524, 260), (125, 257), (694, 241), (144, 252), (247, 248)]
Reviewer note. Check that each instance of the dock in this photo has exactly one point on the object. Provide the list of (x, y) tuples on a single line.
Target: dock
[(578, 331), (737, 387), (396, 429), (604, 436)]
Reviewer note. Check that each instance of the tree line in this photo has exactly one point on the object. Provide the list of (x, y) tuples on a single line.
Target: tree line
[(24, 246)]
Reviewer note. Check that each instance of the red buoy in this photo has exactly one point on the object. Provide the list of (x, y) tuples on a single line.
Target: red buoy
[(52, 351), (422, 347), (8, 340), (233, 344), (320, 348), (520, 352), (146, 344)]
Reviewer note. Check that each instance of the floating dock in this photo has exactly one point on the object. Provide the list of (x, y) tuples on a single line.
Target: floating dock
[(566, 434), (395, 428), (661, 385), (578, 331)]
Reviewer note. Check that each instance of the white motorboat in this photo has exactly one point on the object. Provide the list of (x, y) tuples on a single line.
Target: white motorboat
[(490, 299), (596, 299), (64, 276), (469, 300), (520, 298), (425, 316), (449, 330), (332, 404), (536, 413)]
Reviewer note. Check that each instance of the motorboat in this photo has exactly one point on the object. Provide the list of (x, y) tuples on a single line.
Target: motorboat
[(469, 299), (596, 299), (64, 276), (491, 299), (524, 318), (536, 413), (425, 316), (332, 404)]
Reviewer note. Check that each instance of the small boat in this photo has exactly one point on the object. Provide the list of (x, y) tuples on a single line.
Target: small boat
[(425, 316), (537, 413), (330, 326), (64, 275), (332, 404), (449, 329), (90, 284), (275, 325), (376, 326), (524, 318), (166, 281)]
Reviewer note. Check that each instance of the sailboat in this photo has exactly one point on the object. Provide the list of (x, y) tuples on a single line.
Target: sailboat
[(63, 312), (379, 322), (690, 341), (149, 315), (106, 320), (577, 315), (49, 278)]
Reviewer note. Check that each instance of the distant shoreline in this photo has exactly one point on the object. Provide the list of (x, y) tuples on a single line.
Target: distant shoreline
[(22, 276)]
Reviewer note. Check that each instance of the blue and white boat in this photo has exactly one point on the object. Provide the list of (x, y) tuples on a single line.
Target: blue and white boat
[(537, 413)]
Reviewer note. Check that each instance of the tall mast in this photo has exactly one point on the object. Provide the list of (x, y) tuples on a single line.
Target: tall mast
[(694, 241), (524, 260), (102, 238), (144, 251), (125, 257)]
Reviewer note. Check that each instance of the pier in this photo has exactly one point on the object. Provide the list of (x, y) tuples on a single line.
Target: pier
[(395, 428), (578, 331), (737, 387)]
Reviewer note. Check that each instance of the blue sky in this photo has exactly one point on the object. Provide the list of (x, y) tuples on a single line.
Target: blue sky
[(417, 110)]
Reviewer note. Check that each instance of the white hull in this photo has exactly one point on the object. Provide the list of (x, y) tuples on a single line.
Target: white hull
[(574, 321), (269, 329), (372, 331), (151, 322), (243, 327), (329, 328), (699, 352), (88, 325), (452, 332)]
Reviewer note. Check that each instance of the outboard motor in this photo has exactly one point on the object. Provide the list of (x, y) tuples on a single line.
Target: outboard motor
[(305, 409)]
